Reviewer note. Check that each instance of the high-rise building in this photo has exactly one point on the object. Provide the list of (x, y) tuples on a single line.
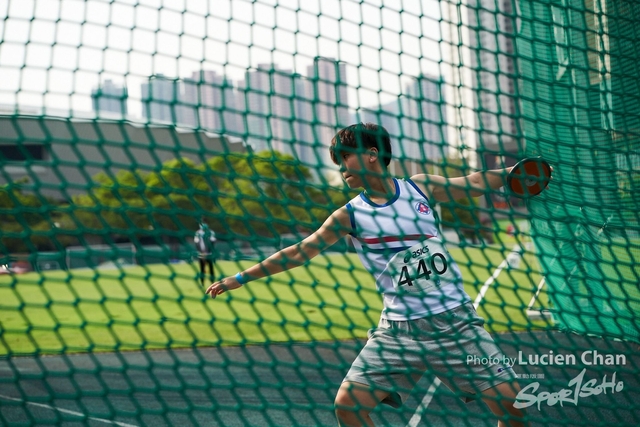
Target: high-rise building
[(331, 104), (492, 42), (199, 97), (209, 89), (424, 120), (111, 99), (188, 108), (160, 96), (210, 102), (305, 148), (232, 106), (268, 93), (271, 109)]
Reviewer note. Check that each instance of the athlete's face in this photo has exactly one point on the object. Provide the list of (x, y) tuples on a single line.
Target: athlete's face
[(355, 167)]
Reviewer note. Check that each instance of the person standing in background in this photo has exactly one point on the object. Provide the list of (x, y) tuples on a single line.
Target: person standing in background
[(205, 240)]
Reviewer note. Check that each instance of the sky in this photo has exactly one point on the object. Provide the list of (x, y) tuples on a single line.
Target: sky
[(53, 53)]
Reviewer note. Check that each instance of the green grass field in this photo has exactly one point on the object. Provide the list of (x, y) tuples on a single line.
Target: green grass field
[(161, 306)]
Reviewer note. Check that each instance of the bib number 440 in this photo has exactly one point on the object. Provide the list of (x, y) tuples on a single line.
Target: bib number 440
[(426, 267)]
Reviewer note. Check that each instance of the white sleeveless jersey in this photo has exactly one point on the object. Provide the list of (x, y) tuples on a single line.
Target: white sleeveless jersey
[(399, 244)]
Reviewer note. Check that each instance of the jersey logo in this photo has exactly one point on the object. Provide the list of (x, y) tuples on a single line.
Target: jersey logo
[(422, 208)]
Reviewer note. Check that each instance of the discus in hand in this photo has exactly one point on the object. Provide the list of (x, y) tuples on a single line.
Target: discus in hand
[(529, 177)]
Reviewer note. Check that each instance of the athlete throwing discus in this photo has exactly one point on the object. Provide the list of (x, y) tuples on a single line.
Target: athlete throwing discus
[(428, 322)]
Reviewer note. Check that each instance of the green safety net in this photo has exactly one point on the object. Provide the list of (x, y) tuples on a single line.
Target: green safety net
[(126, 125)]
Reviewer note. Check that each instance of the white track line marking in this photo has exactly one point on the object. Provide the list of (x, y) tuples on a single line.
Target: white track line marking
[(513, 257), (417, 416), (66, 411)]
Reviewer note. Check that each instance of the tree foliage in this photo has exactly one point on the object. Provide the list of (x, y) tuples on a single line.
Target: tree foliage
[(30, 222), (264, 194)]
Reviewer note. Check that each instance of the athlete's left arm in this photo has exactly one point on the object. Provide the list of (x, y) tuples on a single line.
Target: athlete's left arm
[(443, 189)]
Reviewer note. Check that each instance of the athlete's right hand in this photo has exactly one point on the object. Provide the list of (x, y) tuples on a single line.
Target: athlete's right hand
[(220, 287)]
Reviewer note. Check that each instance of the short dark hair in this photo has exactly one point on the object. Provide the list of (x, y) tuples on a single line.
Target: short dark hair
[(360, 137)]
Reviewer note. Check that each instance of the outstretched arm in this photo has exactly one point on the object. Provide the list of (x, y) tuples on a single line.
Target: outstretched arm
[(443, 189), (333, 229)]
